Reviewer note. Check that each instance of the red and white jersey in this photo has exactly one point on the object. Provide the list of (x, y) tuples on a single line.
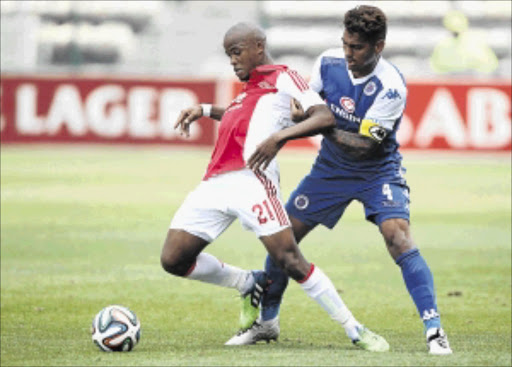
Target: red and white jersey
[(261, 109)]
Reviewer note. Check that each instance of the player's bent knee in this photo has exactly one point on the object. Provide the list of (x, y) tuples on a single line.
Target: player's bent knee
[(170, 265), (180, 252), (397, 236)]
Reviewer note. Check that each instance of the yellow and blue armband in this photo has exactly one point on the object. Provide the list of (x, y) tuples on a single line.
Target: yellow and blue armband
[(372, 129)]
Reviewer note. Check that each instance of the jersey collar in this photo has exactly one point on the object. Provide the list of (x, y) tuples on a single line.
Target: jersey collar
[(365, 78)]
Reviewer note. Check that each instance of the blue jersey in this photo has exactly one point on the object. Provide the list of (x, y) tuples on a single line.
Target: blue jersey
[(371, 106)]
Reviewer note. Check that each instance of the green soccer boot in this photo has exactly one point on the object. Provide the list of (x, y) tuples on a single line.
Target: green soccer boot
[(370, 341), (251, 300)]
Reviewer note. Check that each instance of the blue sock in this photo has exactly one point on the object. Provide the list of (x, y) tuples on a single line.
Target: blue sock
[(272, 298), (420, 284)]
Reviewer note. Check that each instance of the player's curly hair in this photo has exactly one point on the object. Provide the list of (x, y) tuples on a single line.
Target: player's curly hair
[(367, 21)]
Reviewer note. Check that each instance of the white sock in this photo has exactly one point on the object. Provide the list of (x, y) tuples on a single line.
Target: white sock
[(319, 287), (209, 269)]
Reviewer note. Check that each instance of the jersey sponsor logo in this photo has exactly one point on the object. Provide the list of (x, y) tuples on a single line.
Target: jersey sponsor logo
[(239, 98), (348, 104), (340, 112), (370, 88), (265, 85), (392, 204), (237, 102), (392, 94), (301, 202)]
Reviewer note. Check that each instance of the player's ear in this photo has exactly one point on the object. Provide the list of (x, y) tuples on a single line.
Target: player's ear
[(379, 46), (260, 46)]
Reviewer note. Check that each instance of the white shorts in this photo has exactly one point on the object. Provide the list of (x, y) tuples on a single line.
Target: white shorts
[(255, 199)]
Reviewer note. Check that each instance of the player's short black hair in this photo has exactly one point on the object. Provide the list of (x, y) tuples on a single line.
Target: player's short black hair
[(367, 21)]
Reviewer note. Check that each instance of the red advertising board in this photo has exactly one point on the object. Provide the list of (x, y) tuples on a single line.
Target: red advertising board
[(473, 115), (101, 109), (469, 116)]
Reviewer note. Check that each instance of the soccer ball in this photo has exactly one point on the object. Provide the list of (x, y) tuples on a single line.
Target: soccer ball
[(115, 329)]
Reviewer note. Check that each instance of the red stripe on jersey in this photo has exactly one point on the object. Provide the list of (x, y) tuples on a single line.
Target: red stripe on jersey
[(298, 80), (272, 196)]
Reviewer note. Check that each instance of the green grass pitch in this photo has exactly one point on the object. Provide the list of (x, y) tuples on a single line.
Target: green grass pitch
[(82, 228)]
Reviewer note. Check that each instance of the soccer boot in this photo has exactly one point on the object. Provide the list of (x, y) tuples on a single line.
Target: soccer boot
[(370, 341), (260, 330), (251, 300), (437, 342)]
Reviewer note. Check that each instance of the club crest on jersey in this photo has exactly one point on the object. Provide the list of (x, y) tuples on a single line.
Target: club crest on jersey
[(348, 104), (301, 202), (370, 88)]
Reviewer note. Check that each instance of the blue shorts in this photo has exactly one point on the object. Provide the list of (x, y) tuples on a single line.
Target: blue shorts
[(322, 197)]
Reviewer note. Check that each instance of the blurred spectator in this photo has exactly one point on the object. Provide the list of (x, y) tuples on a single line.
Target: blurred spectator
[(464, 50)]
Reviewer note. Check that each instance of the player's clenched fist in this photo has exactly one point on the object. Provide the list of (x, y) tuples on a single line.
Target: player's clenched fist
[(186, 117)]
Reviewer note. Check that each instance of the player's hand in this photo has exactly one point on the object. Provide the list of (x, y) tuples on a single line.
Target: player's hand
[(186, 117), (297, 112), (264, 153)]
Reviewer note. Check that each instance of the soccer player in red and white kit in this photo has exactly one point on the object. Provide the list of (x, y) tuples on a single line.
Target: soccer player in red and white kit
[(230, 190)]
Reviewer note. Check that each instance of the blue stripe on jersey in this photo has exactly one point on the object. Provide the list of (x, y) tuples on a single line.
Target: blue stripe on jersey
[(349, 104), (399, 73)]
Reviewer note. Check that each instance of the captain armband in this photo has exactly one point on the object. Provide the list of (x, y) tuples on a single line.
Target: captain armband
[(373, 130)]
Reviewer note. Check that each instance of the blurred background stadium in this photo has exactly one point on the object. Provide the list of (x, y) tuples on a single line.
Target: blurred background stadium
[(120, 71), (182, 38)]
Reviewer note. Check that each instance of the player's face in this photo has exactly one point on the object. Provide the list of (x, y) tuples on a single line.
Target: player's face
[(243, 56), (361, 55)]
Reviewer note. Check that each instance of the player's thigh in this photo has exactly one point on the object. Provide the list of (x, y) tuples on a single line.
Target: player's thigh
[(258, 204), (204, 212), (386, 199), (300, 229), (317, 201)]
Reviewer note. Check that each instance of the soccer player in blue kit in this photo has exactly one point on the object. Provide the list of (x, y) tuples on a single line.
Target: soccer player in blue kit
[(358, 160)]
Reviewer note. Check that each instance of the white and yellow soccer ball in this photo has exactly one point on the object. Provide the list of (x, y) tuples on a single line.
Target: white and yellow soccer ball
[(116, 329)]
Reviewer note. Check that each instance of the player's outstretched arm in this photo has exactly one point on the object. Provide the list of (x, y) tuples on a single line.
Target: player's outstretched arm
[(191, 114), (356, 145), (319, 118)]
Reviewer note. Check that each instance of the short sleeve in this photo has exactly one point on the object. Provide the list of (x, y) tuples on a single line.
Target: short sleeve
[(316, 77), (291, 83), (389, 105)]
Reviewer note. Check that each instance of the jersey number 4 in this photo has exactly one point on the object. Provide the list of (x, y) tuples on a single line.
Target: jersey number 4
[(263, 212), (386, 190)]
